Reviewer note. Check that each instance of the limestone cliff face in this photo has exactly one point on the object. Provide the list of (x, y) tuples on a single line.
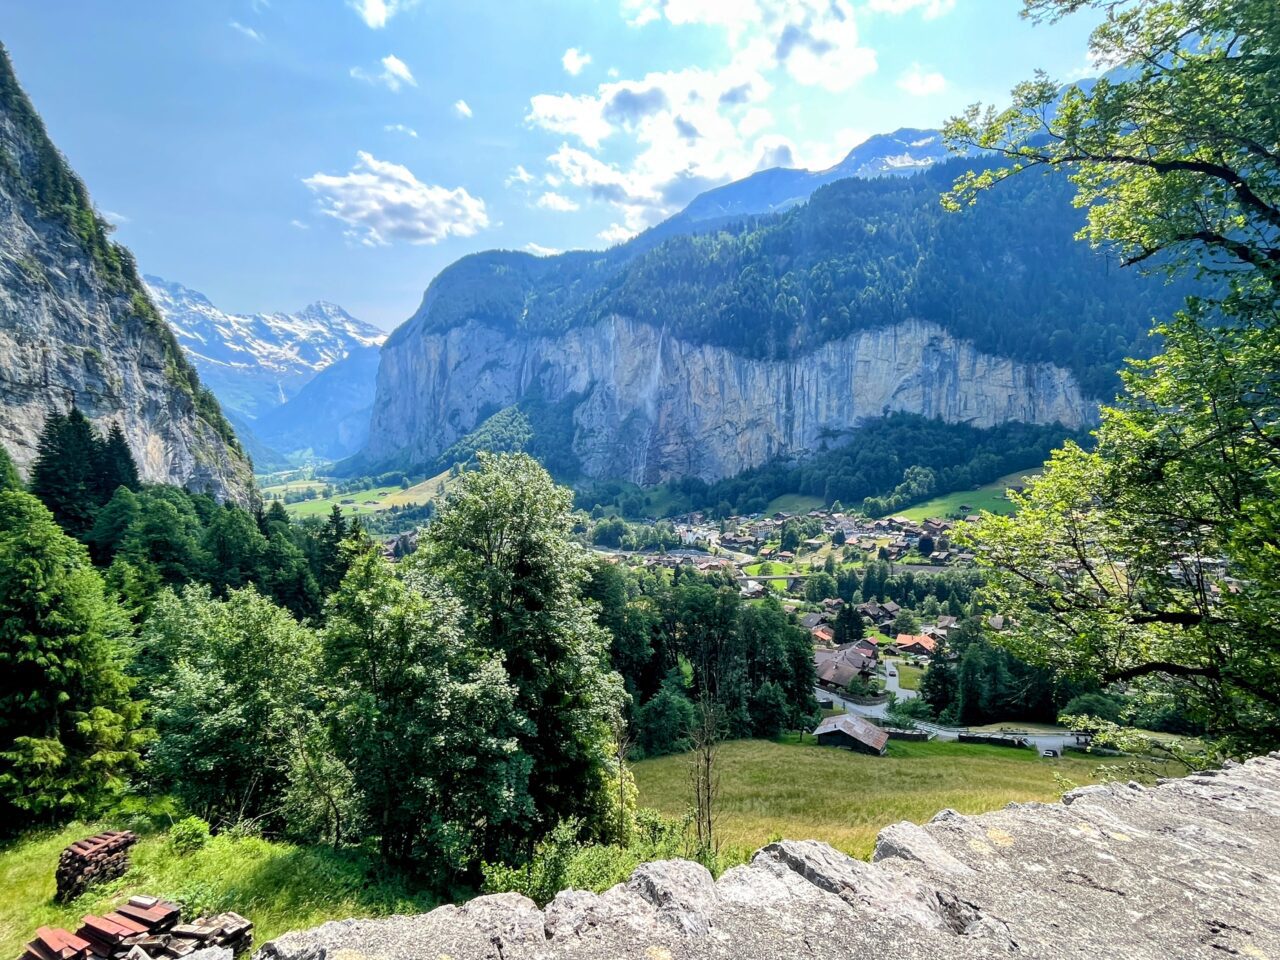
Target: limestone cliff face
[(76, 327), (651, 408)]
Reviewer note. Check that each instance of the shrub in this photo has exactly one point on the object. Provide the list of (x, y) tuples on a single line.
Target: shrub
[(188, 835)]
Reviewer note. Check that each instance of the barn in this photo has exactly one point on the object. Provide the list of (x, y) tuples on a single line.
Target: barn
[(851, 732)]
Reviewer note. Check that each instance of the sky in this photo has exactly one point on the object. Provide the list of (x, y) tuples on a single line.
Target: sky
[(271, 153)]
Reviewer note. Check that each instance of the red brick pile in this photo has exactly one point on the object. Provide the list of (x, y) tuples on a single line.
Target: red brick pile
[(145, 928), (94, 860)]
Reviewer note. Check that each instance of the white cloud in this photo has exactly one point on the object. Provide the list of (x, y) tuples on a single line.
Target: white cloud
[(383, 202), (558, 202), (647, 145), (462, 108), (299, 225), (376, 13), (519, 175), (929, 9), (249, 32), (919, 83), (538, 250), (616, 233), (401, 128), (395, 74), (574, 60), (113, 218)]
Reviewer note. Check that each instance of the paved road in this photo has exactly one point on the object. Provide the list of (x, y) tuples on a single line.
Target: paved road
[(1042, 741), (891, 683)]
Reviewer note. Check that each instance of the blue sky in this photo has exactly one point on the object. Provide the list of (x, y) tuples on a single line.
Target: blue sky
[(275, 152)]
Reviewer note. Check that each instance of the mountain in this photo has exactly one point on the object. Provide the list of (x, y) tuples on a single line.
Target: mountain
[(78, 328), (705, 354), (900, 153), (254, 363), (329, 417)]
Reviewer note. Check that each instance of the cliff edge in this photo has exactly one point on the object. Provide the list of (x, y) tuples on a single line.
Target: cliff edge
[(1190, 868)]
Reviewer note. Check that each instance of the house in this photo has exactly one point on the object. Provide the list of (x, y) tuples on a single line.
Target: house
[(823, 634), (837, 670), (853, 733), (918, 644), (751, 590), (811, 620)]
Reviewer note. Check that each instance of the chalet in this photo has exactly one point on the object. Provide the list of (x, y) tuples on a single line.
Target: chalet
[(813, 544), (751, 590), (853, 733), (916, 644), (811, 620), (823, 634)]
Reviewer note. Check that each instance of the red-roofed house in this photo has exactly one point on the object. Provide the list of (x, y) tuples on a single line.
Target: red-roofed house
[(916, 644)]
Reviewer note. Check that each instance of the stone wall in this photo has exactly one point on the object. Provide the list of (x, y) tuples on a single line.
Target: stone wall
[(1188, 869)]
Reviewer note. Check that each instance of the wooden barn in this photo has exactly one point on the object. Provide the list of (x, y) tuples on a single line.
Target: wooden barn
[(853, 733)]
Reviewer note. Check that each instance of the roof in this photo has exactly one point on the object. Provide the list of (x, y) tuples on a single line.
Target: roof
[(855, 727), (916, 640)]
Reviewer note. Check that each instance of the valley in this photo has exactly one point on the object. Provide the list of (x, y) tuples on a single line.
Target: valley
[(765, 536)]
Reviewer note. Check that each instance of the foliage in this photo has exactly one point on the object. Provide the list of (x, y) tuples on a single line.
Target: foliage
[(503, 544), (228, 678), (69, 726), (422, 720), (189, 835), (870, 465), (1152, 561)]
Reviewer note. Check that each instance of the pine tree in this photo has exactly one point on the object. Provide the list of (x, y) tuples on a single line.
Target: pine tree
[(64, 474), (68, 724), (115, 465)]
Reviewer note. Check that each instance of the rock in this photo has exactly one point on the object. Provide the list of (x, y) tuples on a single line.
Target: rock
[(76, 328), (211, 953), (1186, 870), (648, 407)]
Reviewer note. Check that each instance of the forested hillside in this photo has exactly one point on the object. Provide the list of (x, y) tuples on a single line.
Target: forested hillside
[(860, 255)]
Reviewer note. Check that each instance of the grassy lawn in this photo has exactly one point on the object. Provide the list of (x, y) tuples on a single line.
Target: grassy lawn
[(803, 791), (990, 498), (278, 886), (909, 675), (793, 503)]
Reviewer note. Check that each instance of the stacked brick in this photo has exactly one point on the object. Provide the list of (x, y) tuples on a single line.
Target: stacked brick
[(145, 928), (93, 860)]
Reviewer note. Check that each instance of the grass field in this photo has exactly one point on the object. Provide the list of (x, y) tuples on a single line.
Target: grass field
[(278, 886), (803, 791), (990, 498), (361, 502)]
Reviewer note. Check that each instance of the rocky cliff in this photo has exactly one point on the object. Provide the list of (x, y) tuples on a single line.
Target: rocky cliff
[(1187, 869), (76, 326), (650, 407)]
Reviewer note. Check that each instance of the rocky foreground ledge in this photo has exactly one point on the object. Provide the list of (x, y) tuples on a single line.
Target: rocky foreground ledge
[(1190, 868)]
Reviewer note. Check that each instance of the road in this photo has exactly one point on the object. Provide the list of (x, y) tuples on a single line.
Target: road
[(1042, 741)]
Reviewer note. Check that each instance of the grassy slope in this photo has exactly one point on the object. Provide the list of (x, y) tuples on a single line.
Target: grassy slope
[(809, 792), (369, 501), (991, 498), (278, 886)]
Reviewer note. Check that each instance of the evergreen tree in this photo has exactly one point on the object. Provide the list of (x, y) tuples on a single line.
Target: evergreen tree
[(68, 724), (9, 478), (65, 473), (115, 466)]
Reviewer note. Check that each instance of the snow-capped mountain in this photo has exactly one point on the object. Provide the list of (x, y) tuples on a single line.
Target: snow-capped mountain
[(254, 363)]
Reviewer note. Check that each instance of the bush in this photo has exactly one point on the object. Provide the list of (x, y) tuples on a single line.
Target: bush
[(545, 874), (189, 835), (1098, 705)]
